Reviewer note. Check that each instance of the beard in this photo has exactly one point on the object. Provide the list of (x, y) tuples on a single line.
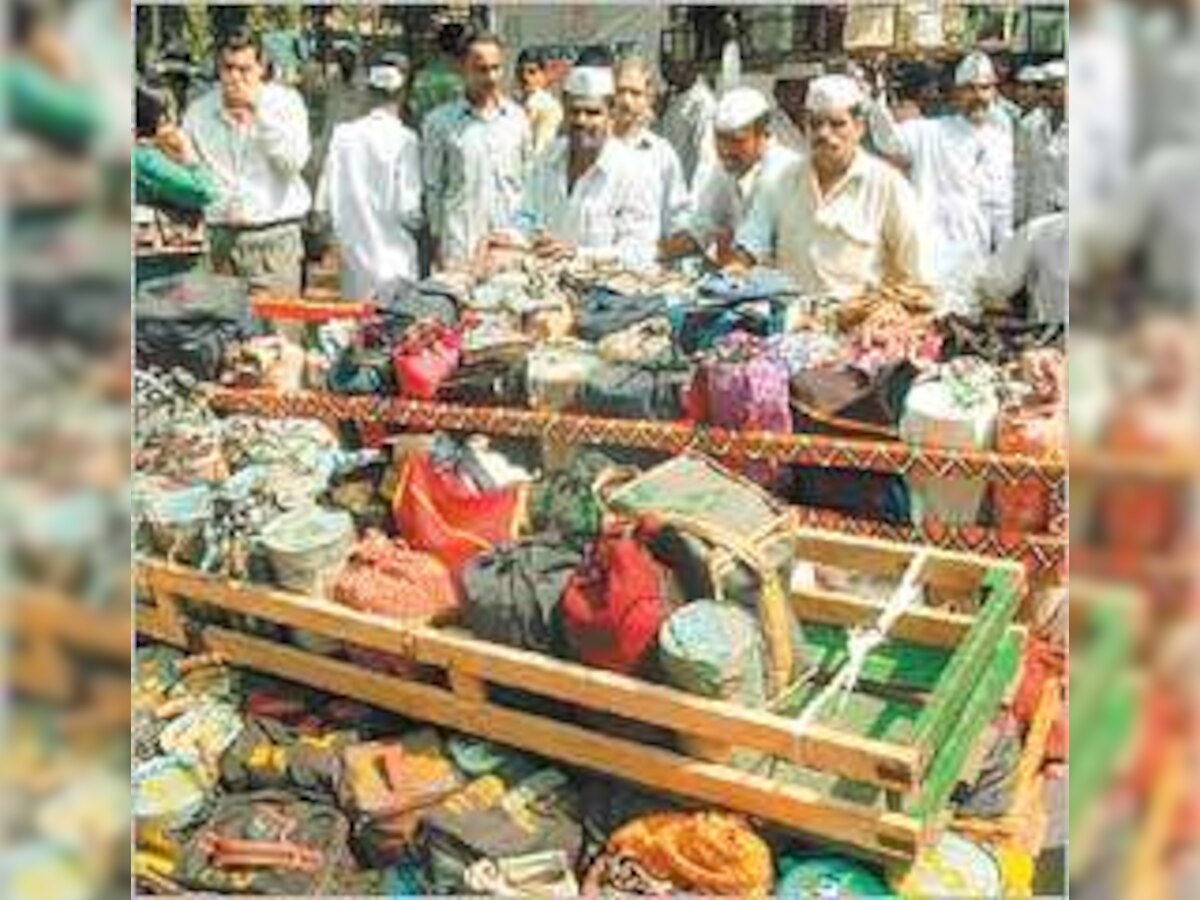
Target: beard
[(588, 141)]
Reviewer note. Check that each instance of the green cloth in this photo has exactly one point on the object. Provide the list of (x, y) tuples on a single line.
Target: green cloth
[(435, 84), (41, 104), (163, 183)]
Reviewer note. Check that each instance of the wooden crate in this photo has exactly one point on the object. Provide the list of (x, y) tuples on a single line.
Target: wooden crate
[(875, 785)]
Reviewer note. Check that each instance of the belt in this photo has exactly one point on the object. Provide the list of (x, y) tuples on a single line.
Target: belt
[(258, 226)]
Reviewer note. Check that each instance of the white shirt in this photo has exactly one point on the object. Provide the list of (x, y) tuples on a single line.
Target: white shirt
[(1049, 171), (865, 230), (1101, 83), (473, 166), (257, 166), (610, 212), (723, 200), (1034, 258), (371, 188), (687, 125), (963, 175), (659, 157), (545, 115), (1157, 211)]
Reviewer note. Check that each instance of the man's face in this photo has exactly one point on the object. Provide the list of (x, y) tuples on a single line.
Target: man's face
[(1054, 95), (1026, 95), (241, 74), (976, 99), (483, 69), (679, 74), (740, 150), (631, 106), (833, 138), (588, 123), (790, 96), (532, 77)]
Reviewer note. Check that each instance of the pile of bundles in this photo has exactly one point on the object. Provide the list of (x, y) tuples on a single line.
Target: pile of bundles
[(743, 352), (242, 784)]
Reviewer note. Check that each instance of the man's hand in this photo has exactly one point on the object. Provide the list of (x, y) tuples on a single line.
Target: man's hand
[(174, 142), (547, 247)]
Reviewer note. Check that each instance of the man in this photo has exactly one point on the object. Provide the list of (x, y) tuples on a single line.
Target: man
[(750, 160), (962, 168), (1026, 94), (633, 108), (543, 111), (838, 220), (588, 196), (474, 156), (687, 121), (1042, 146), (253, 137), (1033, 259), (371, 191), (439, 81), (787, 119)]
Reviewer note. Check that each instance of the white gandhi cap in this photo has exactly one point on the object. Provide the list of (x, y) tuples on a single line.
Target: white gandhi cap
[(975, 68), (385, 78), (1055, 71), (832, 92), (739, 108), (589, 82), (1031, 75)]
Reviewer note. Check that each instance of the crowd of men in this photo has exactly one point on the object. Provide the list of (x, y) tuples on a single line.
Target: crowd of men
[(834, 182)]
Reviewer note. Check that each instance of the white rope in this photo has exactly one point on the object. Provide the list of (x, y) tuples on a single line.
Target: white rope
[(860, 644)]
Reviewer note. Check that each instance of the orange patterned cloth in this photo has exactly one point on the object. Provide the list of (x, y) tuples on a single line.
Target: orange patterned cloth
[(702, 853), (385, 577)]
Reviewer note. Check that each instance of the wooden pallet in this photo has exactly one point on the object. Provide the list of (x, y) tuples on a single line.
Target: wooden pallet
[(876, 787)]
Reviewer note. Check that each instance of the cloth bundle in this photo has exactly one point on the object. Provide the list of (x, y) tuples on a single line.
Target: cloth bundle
[(425, 357), (267, 842), (268, 755), (271, 362), (700, 853), (387, 785), (384, 577), (1033, 424), (490, 820), (605, 312), (511, 594), (743, 387), (556, 373), (715, 650), (614, 603), (307, 545), (438, 512), (953, 406), (566, 502), (634, 391)]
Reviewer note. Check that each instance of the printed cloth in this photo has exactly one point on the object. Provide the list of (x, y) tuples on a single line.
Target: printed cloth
[(385, 577)]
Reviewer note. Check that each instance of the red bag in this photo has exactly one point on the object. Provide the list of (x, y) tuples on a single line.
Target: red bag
[(614, 603), (426, 356), (436, 512)]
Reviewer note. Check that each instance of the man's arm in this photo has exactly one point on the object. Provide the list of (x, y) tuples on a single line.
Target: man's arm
[(1006, 270), (407, 185), (281, 127), (754, 239), (902, 235)]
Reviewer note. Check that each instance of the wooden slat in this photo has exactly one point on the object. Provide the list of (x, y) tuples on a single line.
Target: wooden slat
[(829, 749), (882, 834), (920, 625), (78, 626), (946, 570), (821, 747)]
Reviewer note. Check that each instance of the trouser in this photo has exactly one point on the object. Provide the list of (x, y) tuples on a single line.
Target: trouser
[(268, 258)]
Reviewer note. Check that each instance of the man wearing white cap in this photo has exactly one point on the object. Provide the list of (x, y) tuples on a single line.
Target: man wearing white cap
[(839, 219), (475, 153), (962, 168), (633, 109), (750, 161), (1042, 146), (588, 195), (370, 189), (1035, 259), (687, 120)]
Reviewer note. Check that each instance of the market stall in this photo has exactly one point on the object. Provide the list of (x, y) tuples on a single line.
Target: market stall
[(567, 509)]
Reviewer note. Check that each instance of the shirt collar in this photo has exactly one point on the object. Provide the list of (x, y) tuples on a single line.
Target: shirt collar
[(503, 108), (603, 164), (857, 171)]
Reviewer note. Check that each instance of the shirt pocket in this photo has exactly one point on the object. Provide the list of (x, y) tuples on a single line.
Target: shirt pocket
[(847, 243)]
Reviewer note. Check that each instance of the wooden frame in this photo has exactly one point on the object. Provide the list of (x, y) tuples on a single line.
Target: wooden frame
[(459, 672)]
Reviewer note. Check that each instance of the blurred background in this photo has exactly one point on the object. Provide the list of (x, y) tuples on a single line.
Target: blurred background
[(1134, 369)]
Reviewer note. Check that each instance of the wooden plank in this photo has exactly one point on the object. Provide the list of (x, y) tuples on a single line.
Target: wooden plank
[(919, 625), (883, 835), (877, 762), (967, 665), (78, 626), (946, 570), (822, 747)]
